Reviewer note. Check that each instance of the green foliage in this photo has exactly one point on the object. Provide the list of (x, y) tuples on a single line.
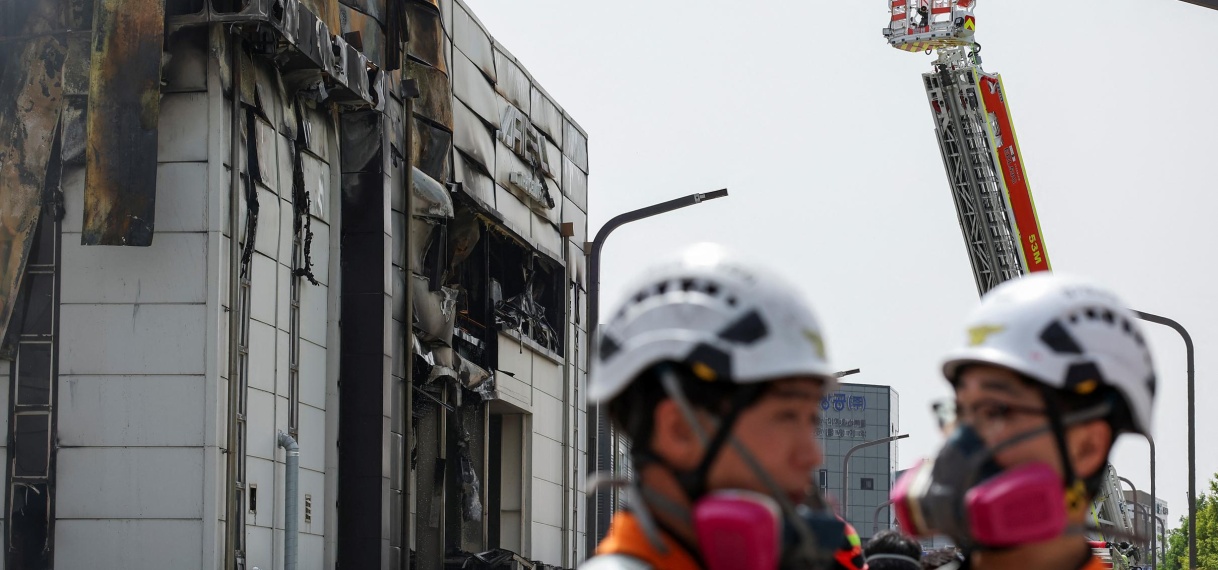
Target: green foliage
[(1207, 534)]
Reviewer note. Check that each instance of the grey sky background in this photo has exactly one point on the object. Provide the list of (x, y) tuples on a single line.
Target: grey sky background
[(821, 132)]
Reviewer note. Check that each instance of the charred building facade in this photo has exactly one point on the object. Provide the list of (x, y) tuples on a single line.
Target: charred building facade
[(359, 223)]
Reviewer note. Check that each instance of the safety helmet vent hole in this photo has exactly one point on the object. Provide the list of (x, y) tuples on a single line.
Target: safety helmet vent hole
[(687, 285), (731, 301), (712, 289), (662, 288)]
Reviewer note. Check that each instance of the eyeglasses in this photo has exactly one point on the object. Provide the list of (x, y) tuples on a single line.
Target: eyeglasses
[(986, 415)]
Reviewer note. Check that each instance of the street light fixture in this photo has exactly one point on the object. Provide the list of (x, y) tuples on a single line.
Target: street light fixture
[(599, 439), (1192, 432), (875, 519), (846, 469)]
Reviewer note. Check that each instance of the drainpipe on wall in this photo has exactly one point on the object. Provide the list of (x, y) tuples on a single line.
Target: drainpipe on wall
[(232, 534), (568, 346), (291, 500)]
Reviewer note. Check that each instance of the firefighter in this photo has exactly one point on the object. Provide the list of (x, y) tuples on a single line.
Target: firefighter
[(715, 371), (923, 16), (1049, 372)]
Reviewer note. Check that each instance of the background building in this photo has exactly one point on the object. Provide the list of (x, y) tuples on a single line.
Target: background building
[(1143, 515), (358, 222), (855, 414)]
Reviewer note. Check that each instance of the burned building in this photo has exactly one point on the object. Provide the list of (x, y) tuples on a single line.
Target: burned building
[(359, 223)]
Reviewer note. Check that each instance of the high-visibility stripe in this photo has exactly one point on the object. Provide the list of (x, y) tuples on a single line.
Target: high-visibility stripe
[(970, 23)]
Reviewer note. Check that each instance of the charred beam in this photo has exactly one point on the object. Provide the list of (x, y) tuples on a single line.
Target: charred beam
[(124, 106), (31, 73)]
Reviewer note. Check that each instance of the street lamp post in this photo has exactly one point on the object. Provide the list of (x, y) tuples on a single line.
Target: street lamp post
[(1145, 515), (1154, 502), (846, 469), (1192, 432), (875, 519), (1162, 538), (598, 437)]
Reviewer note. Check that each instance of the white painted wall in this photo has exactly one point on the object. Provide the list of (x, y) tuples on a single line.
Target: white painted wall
[(143, 360)]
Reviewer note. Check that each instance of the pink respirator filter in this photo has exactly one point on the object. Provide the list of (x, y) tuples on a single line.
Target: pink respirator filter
[(1020, 506), (738, 530)]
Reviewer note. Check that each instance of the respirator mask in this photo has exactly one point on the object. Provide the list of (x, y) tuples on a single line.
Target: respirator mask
[(964, 494), (744, 530)]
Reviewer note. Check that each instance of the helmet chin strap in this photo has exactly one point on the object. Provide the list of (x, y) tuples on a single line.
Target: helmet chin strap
[(672, 387)]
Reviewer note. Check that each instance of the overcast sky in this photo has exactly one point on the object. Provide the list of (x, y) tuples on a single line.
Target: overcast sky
[(822, 134)]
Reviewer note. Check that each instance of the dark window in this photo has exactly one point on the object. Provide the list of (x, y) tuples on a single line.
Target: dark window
[(34, 374), (868, 484), (31, 442), (824, 478)]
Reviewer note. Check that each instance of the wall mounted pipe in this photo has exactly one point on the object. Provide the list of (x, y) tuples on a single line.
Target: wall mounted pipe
[(291, 500), (232, 535)]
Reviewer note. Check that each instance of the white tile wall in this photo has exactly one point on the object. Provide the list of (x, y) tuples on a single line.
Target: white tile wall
[(130, 482), (261, 472), (136, 274), (266, 236), (129, 544), (130, 410), (262, 356), (547, 543), (312, 374), (264, 288), (313, 308), (181, 198), (260, 548), (547, 459), (260, 422), (182, 130), (312, 438), (132, 339), (547, 416), (547, 375), (547, 503), (546, 235)]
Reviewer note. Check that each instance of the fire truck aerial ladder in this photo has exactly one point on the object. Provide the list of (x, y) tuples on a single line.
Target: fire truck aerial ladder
[(976, 139), (985, 171)]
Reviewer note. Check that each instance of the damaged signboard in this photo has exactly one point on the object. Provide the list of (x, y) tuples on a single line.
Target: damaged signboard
[(31, 70), (123, 110)]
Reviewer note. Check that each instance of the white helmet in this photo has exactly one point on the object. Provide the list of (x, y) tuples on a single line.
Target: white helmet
[(722, 318), (1064, 332)]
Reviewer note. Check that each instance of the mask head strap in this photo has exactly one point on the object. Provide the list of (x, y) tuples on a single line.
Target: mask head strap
[(694, 483)]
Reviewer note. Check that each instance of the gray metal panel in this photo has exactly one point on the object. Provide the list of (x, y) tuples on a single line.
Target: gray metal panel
[(512, 81), (575, 144), (473, 181), (573, 215), (430, 148), (575, 184), (473, 41), (123, 108), (546, 235), (435, 101), (515, 214), (546, 115), (427, 38), (473, 137), (472, 88)]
